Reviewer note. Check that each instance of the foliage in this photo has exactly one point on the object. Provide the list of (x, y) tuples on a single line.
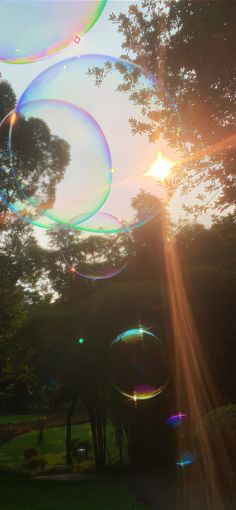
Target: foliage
[(30, 452), (207, 257), (19, 419), (53, 446), (86, 466), (77, 443), (8, 99), (21, 260), (42, 398), (38, 336), (39, 157), (55, 420), (188, 46), (220, 426), (35, 463), (8, 432), (221, 417)]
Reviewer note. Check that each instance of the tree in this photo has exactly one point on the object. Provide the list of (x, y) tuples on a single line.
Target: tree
[(189, 47), (8, 99), (91, 255), (208, 264), (34, 164), (21, 260), (42, 397)]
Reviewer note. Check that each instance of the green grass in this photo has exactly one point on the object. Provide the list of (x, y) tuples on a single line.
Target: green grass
[(20, 418), (53, 447), (25, 494)]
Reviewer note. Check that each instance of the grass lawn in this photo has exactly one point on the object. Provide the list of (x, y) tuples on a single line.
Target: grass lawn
[(25, 494), (20, 418), (53, 447)]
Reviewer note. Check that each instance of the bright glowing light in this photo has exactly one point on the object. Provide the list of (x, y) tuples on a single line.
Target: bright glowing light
[(77, 39), (13, 119), (80, 341), (160, 168)]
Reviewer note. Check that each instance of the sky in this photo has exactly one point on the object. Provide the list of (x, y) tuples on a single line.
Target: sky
[(131, 154)]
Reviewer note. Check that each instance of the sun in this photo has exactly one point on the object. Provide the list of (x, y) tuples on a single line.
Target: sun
[(160, 168)]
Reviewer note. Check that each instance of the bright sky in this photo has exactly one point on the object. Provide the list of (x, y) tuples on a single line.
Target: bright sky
[(103, 39)]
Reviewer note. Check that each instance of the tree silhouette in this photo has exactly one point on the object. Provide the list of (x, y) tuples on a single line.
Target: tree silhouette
[(37, 161), (189, 47)]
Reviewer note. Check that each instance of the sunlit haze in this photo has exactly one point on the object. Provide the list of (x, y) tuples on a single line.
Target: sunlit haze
[(158, 160), (160, 168)]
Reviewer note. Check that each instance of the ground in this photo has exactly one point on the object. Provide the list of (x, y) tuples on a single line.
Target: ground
[(25, 494), (86, 491), (16, 418), (53, 447)]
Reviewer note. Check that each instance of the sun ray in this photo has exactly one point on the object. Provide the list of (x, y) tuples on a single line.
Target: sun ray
[(160, 168)]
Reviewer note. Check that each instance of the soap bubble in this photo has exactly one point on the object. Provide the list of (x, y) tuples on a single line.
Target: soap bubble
[(97, 255), (113, 91), (176, 420), (59, 160), (185, 459), (35, 29), (10, 194), (139, 365)]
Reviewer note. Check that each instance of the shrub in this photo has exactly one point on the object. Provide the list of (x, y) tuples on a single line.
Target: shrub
[(30, 452), (8, 432), (221, 418), (85, 467), (76, 444), (220, 426), (35, 463)]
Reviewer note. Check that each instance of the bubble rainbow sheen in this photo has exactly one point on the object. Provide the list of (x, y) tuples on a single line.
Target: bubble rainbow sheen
[(58, 160), (10, 194), (32, 30), (185, 459), (96, 255), (176, 420), (138, 364), (110, 89)]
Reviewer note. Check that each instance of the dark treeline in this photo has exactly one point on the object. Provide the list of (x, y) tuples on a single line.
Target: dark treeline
[(44, 308)]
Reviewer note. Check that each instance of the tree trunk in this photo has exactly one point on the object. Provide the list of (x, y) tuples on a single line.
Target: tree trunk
[(98, 426), (100, 437), (104, 441), (40, 435), (68, 430), (119, 430), (92, 417)]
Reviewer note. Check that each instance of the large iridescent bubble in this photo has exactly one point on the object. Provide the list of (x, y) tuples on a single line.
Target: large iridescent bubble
[(98, 255), (138, 364), (114, 92), (34, 29), (58, 160), (10, 194)]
